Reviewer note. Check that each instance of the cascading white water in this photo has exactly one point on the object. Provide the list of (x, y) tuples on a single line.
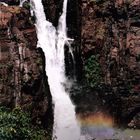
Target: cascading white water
[(52, 42)]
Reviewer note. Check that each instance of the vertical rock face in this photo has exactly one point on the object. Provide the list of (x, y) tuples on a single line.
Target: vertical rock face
[(22, 68), (74, 32), (111, 30), (53, 9)]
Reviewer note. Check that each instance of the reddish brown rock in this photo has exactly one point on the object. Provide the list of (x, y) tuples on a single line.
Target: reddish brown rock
[(111, 30), (23, 81)]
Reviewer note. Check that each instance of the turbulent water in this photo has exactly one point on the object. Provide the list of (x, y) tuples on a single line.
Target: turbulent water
[(53, 41)]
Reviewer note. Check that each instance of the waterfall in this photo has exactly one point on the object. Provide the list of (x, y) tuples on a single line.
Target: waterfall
[(52, 42)]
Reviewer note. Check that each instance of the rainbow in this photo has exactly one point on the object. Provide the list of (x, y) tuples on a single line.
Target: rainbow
[(96, 119)]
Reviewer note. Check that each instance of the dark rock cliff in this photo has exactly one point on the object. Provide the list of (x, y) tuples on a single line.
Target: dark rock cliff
[(111, 30), (53, 10), (23, 81)]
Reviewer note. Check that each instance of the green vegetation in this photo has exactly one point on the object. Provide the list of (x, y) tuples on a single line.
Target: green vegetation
[(27, 5), (17, 125), (39, 61), (92, 71)]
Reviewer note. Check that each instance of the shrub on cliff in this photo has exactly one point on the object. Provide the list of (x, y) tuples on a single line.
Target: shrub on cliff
[(92, 71), (17, 125)]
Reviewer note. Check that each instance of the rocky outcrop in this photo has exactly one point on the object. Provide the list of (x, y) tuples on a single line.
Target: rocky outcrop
[(23, 81), (111, 30)]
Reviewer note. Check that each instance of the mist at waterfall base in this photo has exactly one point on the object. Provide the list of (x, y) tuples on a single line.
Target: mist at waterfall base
[(66, 126)]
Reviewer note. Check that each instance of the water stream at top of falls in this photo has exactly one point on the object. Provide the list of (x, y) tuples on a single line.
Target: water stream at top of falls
[(52, 42)]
